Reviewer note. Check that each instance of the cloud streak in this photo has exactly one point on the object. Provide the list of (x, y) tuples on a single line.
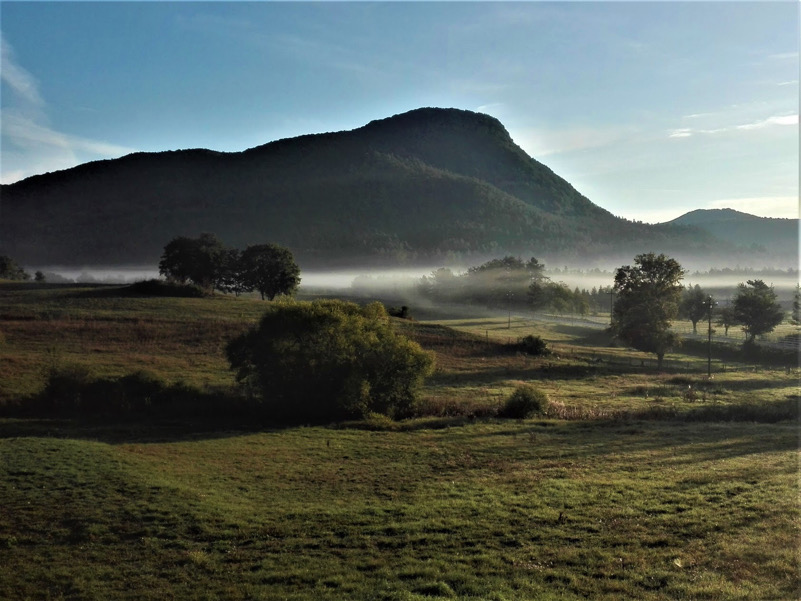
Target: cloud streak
[(22, 83), (759, 124), (30, 145)]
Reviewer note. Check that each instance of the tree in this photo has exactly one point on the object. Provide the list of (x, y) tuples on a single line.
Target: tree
[(270, 269), (231, 277), (755, 307), (9, 270), (726, 318), (329, 359), (648, 296), (694, 305), (198, 260), (795, 316), (39, 277)]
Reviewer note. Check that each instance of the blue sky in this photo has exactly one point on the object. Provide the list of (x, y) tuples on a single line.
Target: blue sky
[(649, 109)]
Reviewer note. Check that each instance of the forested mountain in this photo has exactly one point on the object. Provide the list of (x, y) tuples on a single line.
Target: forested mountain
[(757, 234), (426, 185)]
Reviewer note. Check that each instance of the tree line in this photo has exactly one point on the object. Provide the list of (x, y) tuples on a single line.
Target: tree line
[(645, 299), (513, 283), (207, 263)]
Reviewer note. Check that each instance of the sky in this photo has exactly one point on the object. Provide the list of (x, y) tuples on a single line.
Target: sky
[(649, 109)]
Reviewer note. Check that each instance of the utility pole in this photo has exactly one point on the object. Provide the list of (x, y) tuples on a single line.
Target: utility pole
[(710, 302)]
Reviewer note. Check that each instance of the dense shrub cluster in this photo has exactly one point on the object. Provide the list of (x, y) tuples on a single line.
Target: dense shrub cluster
[(156, 287), (327, 360), (532, 345), (525, 401)]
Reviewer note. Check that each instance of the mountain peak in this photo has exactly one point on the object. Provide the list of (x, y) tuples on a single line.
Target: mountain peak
[(439, 118)]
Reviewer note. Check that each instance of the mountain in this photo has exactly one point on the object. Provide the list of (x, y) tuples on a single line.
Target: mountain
[(425, 185), (756, 234)]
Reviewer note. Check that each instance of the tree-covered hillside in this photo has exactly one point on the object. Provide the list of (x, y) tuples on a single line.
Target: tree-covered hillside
[(428, 184)]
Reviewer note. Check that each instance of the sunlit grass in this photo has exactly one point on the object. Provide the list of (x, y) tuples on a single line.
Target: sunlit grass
[(528, 510), (458, 504)]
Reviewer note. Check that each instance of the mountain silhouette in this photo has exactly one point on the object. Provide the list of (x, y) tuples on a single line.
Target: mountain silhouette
[(430, 184), (760, 234)]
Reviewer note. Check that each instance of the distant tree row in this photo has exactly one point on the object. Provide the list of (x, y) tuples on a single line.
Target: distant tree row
[(648, 297), (207, 263), (513, 283)]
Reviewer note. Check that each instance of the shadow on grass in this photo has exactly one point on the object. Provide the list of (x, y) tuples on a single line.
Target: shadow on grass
[(145, 288), (584, 336), (692, 436)]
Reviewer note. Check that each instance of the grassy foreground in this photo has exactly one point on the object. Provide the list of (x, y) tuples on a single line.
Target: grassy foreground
[(598, 506), (542, 510)]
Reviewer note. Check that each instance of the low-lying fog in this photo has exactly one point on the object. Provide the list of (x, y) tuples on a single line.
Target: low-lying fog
[(389, 280)]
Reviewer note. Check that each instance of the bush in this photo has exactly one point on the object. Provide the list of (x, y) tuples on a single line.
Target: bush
[(67, 388), (329, 360), (532, 345), (524, 402), (155, 287)]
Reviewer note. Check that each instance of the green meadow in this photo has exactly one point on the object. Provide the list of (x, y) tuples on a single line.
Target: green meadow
[(633, 485)]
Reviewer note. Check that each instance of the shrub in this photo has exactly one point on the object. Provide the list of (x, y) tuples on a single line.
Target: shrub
[(155, 287), (67, 388), (532, 345), (524, 402), (328, 360)]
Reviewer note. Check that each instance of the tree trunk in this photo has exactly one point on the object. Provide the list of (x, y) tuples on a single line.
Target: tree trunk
[(659, 357)]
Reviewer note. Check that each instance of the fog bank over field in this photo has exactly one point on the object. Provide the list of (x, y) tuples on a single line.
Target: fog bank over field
[(368, 281)]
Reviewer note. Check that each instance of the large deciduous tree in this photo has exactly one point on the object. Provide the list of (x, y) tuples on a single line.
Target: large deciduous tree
[(325, 360), (270, 269), (756, 309), (198, 260), (648, 296)]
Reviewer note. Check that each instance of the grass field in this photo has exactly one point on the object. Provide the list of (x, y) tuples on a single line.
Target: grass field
[(620, 494)]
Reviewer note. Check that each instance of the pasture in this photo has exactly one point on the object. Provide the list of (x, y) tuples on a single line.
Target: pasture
[(635, 485)]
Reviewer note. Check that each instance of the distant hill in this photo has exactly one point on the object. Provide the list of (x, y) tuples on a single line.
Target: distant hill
[(757, 234), (427, 185)]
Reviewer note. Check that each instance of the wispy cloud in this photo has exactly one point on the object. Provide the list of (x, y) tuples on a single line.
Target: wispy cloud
[(542, 142), (770, 122), (783, 56), (22, 83), (30, 145)]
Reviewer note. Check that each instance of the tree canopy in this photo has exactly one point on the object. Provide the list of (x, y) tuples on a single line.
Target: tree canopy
[(207, 263), (329, 359), (755, 307), (270, 269), (197, 260), (648, 296), (9, 270), (694, 305)]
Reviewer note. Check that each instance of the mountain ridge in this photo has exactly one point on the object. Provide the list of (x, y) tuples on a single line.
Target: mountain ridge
[(765, 234), (425, 185)]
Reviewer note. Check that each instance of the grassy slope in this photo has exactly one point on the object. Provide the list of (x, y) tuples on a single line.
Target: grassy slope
[(505, 510)]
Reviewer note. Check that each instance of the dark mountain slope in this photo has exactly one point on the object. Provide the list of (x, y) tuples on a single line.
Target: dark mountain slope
[(760, 234), (419, 186)]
